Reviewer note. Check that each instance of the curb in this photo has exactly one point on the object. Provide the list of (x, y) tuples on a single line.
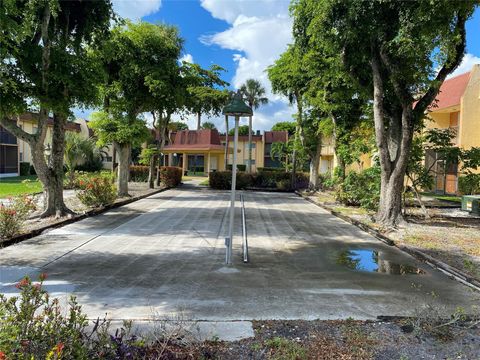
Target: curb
[(93, 212), (448, 270)]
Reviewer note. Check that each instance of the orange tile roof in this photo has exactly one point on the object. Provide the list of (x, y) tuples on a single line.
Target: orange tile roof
[(451, 92)]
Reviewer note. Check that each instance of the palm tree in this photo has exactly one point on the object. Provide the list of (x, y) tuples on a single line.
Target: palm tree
[(254, 94), (78, 150)]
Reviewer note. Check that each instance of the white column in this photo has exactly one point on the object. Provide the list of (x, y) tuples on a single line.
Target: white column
[(208, 164), (228, 258)]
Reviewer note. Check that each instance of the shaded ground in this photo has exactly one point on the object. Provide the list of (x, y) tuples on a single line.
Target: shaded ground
[(164, 256), (454, 240)]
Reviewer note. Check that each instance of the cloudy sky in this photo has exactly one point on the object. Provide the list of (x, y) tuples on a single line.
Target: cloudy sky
[(244, 37)]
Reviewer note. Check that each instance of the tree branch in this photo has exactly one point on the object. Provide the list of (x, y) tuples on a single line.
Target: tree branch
[(12, 127), (454, 59)]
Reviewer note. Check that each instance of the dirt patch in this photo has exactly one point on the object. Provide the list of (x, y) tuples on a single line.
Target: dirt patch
[(339, 339)]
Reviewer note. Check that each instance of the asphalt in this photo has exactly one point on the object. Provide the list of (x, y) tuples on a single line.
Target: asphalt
[(163, 258)]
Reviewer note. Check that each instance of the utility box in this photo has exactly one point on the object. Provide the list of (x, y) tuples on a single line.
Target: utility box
[(471, 203)]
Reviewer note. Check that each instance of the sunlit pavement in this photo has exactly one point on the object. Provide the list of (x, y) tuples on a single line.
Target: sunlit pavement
[(163, 257)]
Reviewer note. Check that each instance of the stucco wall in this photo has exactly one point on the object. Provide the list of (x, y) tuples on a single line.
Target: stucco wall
[(470, 113)]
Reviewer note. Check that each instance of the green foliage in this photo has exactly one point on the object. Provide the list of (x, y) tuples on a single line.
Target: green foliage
[(171, 176), (203, 89), (469, 184), (24, 168), (241, 167), (13, 214), (242, 131), (288, 126), (177, 126), (262, 169), (118, 128), (97, 191), (221, 180), (146, 154), (361, 189), (80, 151), (34, 326), (209, 125), (254, 93), (139, 173), (282, 349)]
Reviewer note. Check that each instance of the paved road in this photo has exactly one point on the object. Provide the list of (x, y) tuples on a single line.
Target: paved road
[(163, 256)]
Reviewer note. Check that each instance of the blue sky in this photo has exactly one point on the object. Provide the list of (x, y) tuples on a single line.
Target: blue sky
[(244, 37)]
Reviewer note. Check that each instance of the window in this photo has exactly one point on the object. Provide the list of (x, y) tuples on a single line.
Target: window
[(247, 161), (21, 156), (253, 145), (107, 159), (34, 129), (454, 125)]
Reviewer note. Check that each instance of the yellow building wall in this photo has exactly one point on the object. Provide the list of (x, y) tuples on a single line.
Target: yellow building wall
[(24, 153), (242, 153), (469, 132)]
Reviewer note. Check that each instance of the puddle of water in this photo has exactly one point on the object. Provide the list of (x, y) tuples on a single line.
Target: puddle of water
[(370, 261)]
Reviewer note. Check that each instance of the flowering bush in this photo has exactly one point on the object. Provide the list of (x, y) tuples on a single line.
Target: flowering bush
[(97, 191), (13, 215), (35, 327), (170, 176), (81, 178)]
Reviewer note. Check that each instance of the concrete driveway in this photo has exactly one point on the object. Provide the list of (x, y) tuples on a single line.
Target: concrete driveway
[(163, 256)]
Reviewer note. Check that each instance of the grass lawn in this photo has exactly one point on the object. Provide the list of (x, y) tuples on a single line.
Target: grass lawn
[(444, 197), (18, 185)]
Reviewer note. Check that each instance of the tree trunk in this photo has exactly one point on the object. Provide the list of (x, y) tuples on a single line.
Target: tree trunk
[(249, 169), (151, 172), (226, 142), (53, 171), (314, 164), (199, 120), (123, 168), (163, 125)]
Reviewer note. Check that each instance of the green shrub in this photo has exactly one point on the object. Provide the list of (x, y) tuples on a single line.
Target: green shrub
[(261, 169), (222, 180), (92, 165), (139, 173), (13, 215), (24, 168), (361, 189), (469, 184), (171, 176), (229, 167), (35, 327), (97, 191), (32, 170), (241, 167), (81, 178)]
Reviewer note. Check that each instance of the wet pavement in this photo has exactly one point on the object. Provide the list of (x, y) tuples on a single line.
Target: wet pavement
[(162, 257)]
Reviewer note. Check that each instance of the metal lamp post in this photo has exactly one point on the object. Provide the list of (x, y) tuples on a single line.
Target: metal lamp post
[(236, 108)]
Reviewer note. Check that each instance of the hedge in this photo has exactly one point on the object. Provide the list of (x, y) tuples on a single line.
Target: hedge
[(171, 176), (279, 169), (469, 184), (24, 168), (221, 180), (139, 173)]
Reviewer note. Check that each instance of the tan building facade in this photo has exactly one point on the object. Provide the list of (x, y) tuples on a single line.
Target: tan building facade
[(457, 107)]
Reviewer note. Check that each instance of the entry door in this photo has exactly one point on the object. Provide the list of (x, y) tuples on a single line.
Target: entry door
[(213, 163)]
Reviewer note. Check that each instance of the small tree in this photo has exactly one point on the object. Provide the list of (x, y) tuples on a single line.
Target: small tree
[(209, 125), (254, 94), (288, 126), (122, 131), (242, 130), (78, 150)]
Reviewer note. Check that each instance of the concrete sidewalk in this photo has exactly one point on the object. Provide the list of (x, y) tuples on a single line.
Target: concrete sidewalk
[(162, 257)]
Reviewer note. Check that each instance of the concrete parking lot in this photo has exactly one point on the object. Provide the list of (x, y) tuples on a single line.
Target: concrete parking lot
[(163, 256)]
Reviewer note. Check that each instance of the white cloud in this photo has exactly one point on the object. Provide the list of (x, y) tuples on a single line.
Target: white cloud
[(260, 31), (232, 9), (136, 9), (187, 58), (466, 65)]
